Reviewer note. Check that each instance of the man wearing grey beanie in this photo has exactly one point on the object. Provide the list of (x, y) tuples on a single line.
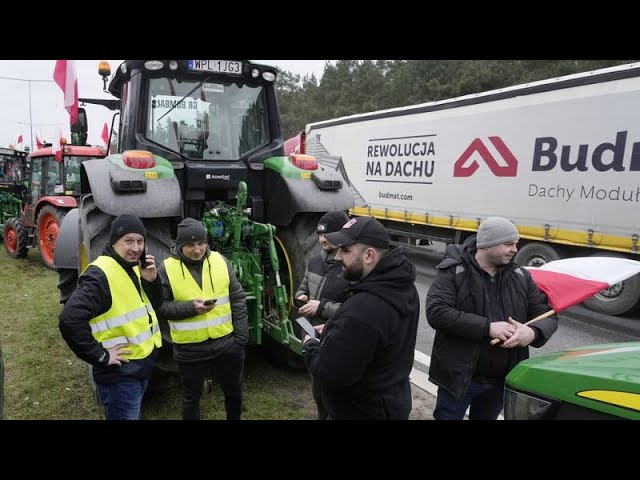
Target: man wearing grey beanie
[(479, 294)]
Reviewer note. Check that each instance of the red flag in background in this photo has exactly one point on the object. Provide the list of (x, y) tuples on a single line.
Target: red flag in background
[(19, 142), (56, 147), (65, 76), (39, 142), (105, 136)]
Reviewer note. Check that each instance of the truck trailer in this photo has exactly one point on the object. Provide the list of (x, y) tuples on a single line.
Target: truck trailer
[(559, 157)]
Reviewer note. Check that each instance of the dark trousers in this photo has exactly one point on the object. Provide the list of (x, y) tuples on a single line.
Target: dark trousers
[(323, 413), (122, 400), (484, 400), (226, 369)]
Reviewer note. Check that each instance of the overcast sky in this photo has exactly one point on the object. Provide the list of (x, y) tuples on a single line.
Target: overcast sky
[(46, 99)]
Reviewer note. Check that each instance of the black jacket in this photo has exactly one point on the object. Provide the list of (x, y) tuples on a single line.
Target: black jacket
[(455, 305), (365, 353), (323, 280), (92, 298), (177, 310)]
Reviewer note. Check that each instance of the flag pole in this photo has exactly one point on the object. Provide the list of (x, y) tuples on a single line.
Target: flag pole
[(539, 317)]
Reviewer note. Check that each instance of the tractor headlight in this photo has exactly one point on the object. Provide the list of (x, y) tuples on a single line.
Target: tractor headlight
[(519, 406)]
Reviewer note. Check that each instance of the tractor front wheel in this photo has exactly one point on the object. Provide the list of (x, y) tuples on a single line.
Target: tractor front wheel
[(16, 238), (49, 221)]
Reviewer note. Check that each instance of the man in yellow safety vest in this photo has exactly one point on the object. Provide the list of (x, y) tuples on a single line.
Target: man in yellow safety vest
[(206, 309), (109, 321)]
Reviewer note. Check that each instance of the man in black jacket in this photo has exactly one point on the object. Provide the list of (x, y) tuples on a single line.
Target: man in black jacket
[(365, 352), (323, 287), (479, 294), (206, 309), (109, 321)]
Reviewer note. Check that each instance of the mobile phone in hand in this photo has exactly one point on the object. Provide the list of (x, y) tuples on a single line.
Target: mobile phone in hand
[(143, 258), (210, 301), (307, 327), (298, 303)]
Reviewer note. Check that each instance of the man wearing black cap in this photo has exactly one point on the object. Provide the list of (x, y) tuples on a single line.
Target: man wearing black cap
[(476, 296), (109, 321), (206, 309), (365, 353), (323, 288)]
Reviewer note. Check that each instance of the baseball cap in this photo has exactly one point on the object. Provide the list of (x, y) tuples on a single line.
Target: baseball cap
[(365, 230)]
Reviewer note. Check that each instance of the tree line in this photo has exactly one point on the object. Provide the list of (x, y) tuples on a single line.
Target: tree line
[(350, 87)]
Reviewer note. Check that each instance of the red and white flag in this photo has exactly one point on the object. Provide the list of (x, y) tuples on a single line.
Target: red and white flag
[(570, 281), (39, 142), (66, 77), (19, 142), (105, 136), (56, 147)]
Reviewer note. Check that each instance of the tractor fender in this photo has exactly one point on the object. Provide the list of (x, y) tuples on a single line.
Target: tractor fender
[(286, 197), (58, 202), (66, 253), (162, 197)]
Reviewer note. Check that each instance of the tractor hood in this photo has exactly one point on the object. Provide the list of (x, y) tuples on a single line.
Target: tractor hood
[(601, 377)]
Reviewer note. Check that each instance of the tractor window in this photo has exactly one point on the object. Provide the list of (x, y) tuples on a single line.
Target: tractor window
[(36, 177), (214, 122), (72, 173), (53, 184)]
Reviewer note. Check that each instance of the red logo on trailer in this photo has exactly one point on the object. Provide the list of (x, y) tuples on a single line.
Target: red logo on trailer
[(508, 170)]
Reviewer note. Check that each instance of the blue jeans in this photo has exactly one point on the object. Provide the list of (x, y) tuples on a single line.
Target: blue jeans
[(122, 400), (484, 399)]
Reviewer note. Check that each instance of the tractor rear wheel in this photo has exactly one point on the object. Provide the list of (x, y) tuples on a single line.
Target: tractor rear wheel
[(16, 238), (49, 221)]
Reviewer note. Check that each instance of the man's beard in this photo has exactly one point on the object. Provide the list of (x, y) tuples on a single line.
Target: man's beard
[(354, 272)]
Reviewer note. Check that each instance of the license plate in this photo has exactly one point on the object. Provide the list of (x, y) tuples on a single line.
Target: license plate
[(216, 66)]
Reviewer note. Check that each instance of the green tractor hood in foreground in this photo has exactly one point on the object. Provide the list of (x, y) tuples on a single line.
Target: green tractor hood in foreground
[(605, 378)]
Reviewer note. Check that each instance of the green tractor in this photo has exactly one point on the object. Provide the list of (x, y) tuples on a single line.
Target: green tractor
[(202, 139), (13, 168)]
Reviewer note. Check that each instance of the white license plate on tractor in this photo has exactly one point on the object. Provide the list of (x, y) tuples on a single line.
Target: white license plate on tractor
[(216, 66)]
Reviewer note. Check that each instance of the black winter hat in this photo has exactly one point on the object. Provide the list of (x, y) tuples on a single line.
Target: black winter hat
[(124, 224), (332, 222), (366, 230), (190, 230)]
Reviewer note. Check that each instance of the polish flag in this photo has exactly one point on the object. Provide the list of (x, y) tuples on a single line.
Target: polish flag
[(39, 142), (570, 281), (56, 147), (66, 77), (19, 142), (105, 136)]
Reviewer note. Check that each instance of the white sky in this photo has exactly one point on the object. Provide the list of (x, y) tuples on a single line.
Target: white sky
[(47, 109)]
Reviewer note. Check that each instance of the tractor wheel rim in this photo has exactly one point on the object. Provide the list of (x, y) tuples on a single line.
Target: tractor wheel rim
[(12, 240), (48, 237)]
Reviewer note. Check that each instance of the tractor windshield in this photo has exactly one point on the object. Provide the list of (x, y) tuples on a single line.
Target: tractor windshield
[(215, 121), (72, 173)]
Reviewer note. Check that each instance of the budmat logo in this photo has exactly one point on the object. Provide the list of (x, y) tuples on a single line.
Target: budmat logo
[(508, 170)]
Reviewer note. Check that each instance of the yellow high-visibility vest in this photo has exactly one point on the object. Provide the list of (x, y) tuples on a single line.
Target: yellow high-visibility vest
[(127, 321), (213, 324)]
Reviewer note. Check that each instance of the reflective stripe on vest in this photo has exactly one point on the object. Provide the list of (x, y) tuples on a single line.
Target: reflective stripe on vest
[(213, 324), (127, 321)]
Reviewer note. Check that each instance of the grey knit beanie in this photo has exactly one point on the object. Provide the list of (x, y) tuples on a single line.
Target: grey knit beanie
[(496, 230), (190, 230), (124, 224)]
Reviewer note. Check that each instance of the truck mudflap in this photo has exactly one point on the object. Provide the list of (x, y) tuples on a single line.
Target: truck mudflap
[(288, 196), (149, 198)]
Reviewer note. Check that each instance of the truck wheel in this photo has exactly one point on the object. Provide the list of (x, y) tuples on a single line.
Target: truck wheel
[(536, 254), (16, 238), (618, 299), (67, 283), (48, 223)]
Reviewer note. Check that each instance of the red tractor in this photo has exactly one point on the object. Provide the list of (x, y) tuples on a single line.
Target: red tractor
[(50, 189)]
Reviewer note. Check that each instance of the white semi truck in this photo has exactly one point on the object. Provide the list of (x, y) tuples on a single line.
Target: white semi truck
[(559, 157)]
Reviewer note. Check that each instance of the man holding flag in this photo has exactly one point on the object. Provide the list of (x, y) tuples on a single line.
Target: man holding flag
[(479, 294)]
